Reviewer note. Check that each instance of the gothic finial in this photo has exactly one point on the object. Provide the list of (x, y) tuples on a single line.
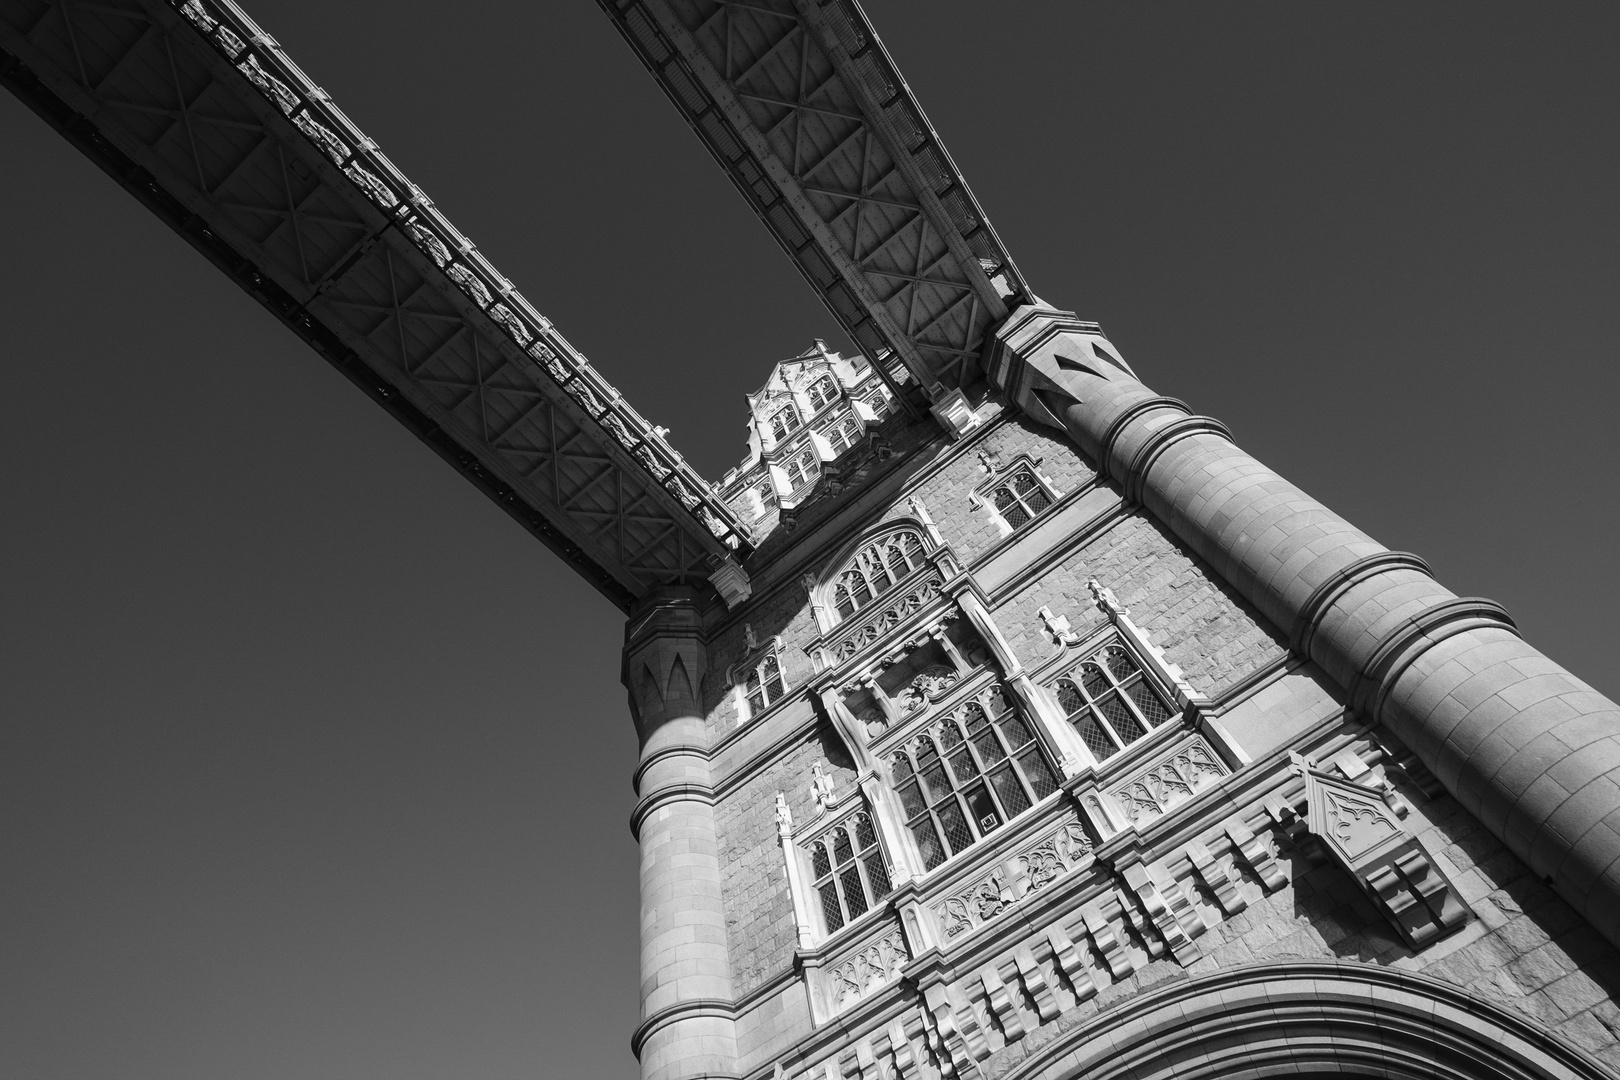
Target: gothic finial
[(1058, 627), (1106, 600), (821, 785)]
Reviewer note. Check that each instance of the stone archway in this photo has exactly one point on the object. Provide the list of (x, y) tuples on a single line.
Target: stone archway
[(1308, 1019)]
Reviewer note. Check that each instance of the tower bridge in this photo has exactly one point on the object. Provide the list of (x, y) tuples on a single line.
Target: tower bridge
[(1033, 729)]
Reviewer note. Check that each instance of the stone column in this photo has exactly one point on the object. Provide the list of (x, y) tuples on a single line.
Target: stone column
[(687, 1029), (1530, 750)]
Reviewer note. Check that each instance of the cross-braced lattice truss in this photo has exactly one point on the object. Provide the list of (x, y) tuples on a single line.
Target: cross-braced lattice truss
[(196, 111), (800, 103)]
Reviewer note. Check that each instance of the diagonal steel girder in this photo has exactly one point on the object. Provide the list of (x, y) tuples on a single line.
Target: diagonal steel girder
[(199, 114), (801, 105)]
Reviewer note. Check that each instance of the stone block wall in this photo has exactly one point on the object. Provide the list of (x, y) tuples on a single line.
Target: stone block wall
[(1203, 628), (1522, 948), (759, 908)]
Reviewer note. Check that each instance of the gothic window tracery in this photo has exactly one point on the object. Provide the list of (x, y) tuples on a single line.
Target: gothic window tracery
[(764, 686), (802, 468), (823, 392), (848, 872), (1020, 497), (767, 494), (784, 422), (843, 435), (875, 569), (1110, 702), (879, 401), (967, 775)]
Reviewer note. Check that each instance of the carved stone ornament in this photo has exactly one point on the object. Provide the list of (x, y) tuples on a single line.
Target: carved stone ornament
[(889, 616), (1363, 834), (821, 785), (1058, 626), (784, 815), (1034, 869), (928, 683), (868, 971), (1173, 779), (1106, 600)]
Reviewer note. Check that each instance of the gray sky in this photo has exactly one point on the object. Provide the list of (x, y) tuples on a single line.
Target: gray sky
[(316, 767)]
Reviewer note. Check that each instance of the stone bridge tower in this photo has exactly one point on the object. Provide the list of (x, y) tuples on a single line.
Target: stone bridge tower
[(1077, 743), (999, 716)]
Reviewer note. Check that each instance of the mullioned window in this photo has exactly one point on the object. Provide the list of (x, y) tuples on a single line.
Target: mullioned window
[(1110, 701), (968, 774), (875, 569)]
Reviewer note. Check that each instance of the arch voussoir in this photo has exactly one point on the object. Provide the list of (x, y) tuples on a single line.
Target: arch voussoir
[(1297, 1018)]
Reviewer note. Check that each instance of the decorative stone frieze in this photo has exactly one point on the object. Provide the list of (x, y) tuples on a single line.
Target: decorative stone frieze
[(1031, 870), (1172, 779), (868, 971)]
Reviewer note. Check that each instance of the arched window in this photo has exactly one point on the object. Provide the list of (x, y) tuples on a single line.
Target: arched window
[(879, 400), (784, 422), (849, 872), (803, 467), (823, 392), (875, 569), (764, 685), (843, 435), (968, 775), (1020, 497), (1110, 702), (767, 493)]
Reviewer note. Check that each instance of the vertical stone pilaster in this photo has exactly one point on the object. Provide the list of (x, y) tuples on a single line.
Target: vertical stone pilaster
[(687, 1028), (1527, 748)]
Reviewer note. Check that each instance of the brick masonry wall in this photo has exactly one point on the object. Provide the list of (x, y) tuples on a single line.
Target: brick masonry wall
[(1527, 950), (759, 908)]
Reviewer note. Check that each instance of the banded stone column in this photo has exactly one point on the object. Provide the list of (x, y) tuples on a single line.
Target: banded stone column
[(687, 1029), (1529, 749)]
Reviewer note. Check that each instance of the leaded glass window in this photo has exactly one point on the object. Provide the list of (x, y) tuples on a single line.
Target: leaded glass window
[(784, 422), (848, 871), (767, 494), (1110, 701), (967, 775), (843, 435), (1020, 497), (875, 569), (764, 686), (823, 392), (801, 468)]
